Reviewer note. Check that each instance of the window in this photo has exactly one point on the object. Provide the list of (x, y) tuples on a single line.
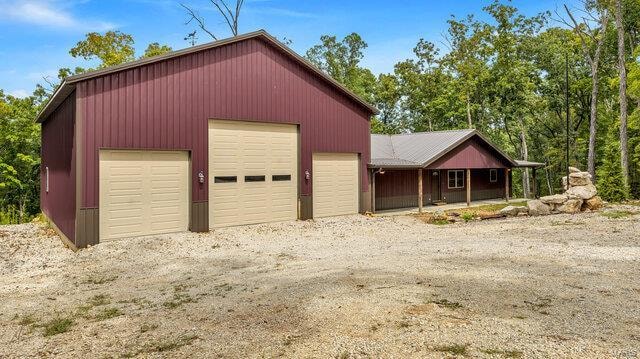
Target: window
[(225, 179), (456, 178), (493, 175), (46, 177), (276, 178), (254, 178)]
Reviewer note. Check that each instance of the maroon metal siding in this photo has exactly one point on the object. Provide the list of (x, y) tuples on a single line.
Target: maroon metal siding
[(58, 154), (166, 105), (399, 188), (473, 153), (481, 186)]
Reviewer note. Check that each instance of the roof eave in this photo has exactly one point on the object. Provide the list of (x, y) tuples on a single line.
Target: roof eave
[(62, 92)]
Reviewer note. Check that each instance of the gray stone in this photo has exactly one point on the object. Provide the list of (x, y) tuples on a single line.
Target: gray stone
[(583, 192), (554, 199), (538, 208), (513, 210), (571, 206), (579, 179)]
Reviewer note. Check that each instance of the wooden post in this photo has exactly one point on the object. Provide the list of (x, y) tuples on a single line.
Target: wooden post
[(535, 184), (506, 184), (373, 191), (420, 190), (468, 187)]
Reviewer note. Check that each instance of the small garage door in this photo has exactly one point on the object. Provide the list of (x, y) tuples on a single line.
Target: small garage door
[(143, 193), (335, 184), (252, 172)]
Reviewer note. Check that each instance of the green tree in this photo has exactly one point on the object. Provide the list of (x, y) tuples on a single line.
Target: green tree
[(341, 60), (111, 48), (19, 158), (155, 49)]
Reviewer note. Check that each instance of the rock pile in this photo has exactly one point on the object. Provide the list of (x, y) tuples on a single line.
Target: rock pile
[(580, 195)]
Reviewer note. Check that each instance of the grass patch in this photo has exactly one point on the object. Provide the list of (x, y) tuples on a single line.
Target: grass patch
[(170, 344), (178, 300), (108, 313), (57, 326), (100, 299), (446, 304), (617, 214), (404, 324), (455, 349), (468, 216), (100, 280), (28, 320), (148, 327), (503, 353), (487, 209)]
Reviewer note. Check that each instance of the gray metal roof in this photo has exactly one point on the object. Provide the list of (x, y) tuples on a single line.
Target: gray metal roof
[(415, 150)]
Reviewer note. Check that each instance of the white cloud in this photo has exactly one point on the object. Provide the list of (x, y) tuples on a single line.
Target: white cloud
[(48, 13), (21, 93)]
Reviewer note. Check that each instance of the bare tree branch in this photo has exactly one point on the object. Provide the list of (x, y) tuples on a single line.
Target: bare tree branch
[(198, 19), (229, 14)]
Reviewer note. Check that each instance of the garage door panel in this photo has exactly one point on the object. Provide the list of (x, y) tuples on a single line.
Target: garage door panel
[(143, 193), (335, 184), (242, 149)]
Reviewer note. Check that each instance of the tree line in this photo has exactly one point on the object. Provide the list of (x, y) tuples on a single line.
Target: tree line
[(504, 76)]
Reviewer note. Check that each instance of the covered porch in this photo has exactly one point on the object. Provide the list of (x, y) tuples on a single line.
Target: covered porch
[(439, 168)]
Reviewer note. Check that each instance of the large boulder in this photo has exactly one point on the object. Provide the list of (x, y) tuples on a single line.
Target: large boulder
[(513, 210), (538, 208), (583, 192), (593, 203), (572, 205), (554, 199), (579, 179)]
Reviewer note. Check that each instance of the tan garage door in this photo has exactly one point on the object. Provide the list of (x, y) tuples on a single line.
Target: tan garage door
[(252, 172), (335, 184), (143, 193)]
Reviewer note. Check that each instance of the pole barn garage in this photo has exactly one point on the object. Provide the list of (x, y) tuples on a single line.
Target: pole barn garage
[(233, 132)]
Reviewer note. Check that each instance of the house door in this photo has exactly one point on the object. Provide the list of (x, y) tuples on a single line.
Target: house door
[(435, 186)]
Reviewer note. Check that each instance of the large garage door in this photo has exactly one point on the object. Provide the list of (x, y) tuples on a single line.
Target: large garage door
[(252, 173), (143, 192), (335, 184)]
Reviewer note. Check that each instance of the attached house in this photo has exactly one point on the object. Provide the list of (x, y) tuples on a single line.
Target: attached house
[(233, 132), (420, 169)]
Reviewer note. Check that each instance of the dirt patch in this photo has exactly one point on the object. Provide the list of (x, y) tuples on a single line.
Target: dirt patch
[(556, 286)]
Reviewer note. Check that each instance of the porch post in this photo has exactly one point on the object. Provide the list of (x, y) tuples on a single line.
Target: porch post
[(506, 184), (468, 187), (420, 190), (373, 191), (535, 184)]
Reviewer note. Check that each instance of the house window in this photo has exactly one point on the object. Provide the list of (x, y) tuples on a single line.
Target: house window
[(493, 175), (456, 178), (46, 177)]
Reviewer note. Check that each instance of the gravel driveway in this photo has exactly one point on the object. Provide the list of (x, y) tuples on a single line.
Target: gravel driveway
[(556, 286)]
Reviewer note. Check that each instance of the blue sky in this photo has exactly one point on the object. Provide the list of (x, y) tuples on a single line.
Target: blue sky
[(36, 35)]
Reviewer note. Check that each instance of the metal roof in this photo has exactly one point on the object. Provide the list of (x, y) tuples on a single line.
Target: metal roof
[(68, 85), (418, 150)]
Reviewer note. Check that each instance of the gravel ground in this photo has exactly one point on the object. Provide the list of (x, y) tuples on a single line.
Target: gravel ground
[(555, 286)]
